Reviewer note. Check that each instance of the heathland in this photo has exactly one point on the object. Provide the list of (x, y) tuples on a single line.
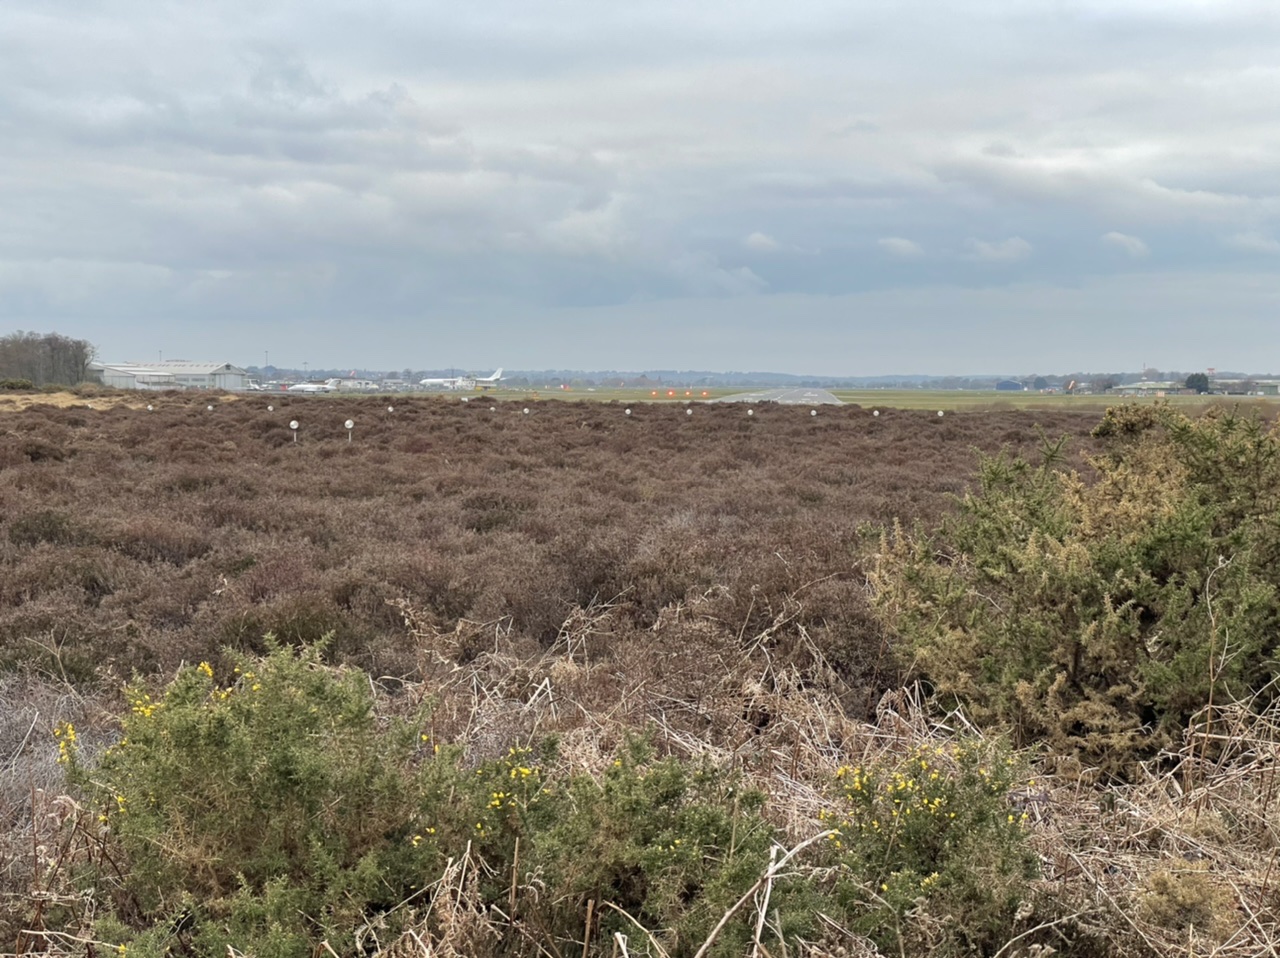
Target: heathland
[(555, 678)]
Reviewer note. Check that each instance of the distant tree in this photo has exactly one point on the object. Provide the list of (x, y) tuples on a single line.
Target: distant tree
[(1102, 384), (1199, 382), (1039, 383), (45, 358)]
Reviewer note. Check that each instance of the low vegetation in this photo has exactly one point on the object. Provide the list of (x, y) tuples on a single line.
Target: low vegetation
[(1100, 615), (568, 682)]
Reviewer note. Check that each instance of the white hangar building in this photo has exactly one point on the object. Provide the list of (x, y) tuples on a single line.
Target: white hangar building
[(172, 374)]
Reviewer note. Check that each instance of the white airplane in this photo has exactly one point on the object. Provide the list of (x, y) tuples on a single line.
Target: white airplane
[(464, 382), (488, 382), (327, 386)]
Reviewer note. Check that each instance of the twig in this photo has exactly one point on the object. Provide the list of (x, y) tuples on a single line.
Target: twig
[(770, 872), (1031, 931), (662, 952)]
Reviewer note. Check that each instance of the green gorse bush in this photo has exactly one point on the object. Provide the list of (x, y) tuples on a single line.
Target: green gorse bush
[(268, 809), (1099, 614), (272, 808), (935, 833)]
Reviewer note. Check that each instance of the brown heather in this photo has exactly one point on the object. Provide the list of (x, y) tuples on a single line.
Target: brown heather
[(134, 540)]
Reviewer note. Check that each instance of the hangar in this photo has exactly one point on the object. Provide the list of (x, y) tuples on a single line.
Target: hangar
[(172, 374)]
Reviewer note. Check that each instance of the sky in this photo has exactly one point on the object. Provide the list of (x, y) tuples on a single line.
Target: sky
[(832, 188)]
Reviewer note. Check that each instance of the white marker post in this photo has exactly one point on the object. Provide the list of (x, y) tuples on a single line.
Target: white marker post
[(813, 412), (628, 412), (939, 413), (350, 424), (293, 424), (876, 413), (271, 409), (751, 412), (391, 409)]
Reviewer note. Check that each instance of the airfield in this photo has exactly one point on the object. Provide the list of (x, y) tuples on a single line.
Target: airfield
[(945, 400), (948, 400)]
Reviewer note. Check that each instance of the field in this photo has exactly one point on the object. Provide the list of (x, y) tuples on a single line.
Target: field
[(949, 400), (176, 530), (546, 568)]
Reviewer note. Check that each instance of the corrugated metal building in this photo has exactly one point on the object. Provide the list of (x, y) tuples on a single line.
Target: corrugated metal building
[(172, 374)]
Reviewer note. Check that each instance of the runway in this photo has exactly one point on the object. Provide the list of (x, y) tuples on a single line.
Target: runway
[(787, 397)]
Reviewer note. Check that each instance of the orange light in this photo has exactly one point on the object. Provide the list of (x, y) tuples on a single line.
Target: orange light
[(687, 393), (671, 392), (654, 393), (704, 392)]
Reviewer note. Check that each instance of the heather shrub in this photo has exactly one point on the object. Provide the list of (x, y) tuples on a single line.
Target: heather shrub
[(1100, 613), (46, 525), (154, 540)]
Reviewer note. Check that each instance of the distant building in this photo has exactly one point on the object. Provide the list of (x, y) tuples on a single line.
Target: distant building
[(131, 376), (1010, 386), (1247, 387), (1147, 389), (172, 374)]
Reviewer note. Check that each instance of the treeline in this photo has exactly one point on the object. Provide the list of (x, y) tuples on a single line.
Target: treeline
[(45, 358)]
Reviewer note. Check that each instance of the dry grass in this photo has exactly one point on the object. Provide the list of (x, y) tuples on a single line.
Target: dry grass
[(87, 399), (1180, 864)]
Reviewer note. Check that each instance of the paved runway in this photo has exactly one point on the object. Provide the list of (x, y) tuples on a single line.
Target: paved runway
[(787, 397)]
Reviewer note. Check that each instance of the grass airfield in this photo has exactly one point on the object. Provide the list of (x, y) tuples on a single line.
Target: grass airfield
[(950, 400)]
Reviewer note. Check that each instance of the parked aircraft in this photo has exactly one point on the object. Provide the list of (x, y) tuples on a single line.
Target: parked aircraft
[(488, 382), (464, 382), (327, 386)]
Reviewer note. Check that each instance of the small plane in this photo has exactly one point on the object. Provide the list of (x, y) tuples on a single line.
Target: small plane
[(464, 382), (328, 386)]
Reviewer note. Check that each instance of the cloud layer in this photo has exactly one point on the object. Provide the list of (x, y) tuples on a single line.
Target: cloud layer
[(426, 182)]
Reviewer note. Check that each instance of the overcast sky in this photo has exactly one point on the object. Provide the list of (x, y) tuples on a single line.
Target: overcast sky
[(855, 187)]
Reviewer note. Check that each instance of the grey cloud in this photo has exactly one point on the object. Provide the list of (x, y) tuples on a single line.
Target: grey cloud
[(1127, 244), (327, 160), (1254, 242), (898, 246), (999, 251), (759, 242)]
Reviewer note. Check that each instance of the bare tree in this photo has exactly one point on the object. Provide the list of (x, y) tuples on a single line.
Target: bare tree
[(45, 358)]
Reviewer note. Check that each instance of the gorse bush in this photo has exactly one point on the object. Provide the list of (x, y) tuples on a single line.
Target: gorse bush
[(936, 833), (265, 810), (1101, 613), (674, 845), (271, 809)]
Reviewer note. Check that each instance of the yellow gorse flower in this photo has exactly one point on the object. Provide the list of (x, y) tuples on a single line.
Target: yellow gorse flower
[(66, 736)]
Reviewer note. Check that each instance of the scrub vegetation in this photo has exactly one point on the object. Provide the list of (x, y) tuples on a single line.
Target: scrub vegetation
[(569, 681)]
